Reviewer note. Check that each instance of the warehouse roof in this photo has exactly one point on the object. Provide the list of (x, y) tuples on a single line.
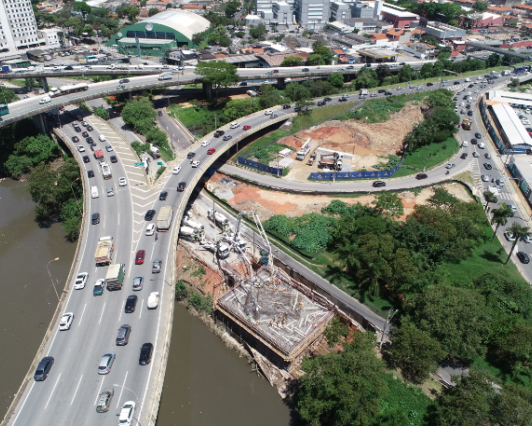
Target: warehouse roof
[(512, 126), (182, 21)]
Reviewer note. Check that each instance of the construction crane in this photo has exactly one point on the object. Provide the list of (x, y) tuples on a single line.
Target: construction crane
[(262, 234)]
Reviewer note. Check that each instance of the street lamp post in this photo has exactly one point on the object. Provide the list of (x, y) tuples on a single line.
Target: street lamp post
[(75, 198), (136, 396), (50, 275)]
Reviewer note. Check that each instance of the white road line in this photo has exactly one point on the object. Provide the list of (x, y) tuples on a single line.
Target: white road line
[(118, 215), (141, 305), (99, 390), (121, 310), (121, 390), (77, 387), (51, 393), (24, 403), (101, 316), (152, 250), (79, 323)]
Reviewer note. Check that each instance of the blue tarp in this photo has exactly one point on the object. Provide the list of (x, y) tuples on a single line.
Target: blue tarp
[(256, 165)]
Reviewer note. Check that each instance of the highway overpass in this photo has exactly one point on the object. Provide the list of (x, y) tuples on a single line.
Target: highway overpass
[(489, 46)]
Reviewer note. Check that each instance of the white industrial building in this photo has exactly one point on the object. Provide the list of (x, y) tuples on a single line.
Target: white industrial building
[(513, 98), (18, 28), (512, 131)]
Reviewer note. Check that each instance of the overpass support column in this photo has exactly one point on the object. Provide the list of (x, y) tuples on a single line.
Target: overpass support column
[(281, 83), (207, 89), (44, 83), (40, 121)]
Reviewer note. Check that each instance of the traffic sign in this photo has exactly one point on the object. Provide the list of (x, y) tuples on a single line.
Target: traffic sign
[(159, 163), (139, 164)]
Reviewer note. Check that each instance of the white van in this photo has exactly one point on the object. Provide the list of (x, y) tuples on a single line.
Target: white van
[(102, 138), (94, 192), (467, 80), (45, 100)]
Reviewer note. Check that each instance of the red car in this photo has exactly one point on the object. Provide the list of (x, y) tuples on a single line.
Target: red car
[(246, 127), (211, 151), (275, 71), (139, 258)]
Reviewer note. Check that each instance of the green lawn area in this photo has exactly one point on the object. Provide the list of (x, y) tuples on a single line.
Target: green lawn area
[(489, 257), (17, 82), (437, 153)]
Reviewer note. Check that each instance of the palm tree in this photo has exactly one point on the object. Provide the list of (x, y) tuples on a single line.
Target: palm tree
[(490, 198), (500, 217), (520, 233)]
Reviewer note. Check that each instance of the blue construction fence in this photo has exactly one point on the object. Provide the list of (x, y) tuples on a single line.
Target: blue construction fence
[(358, 175), (256, 165)]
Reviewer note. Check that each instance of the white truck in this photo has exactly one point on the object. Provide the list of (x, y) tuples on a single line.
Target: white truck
[(106, 171), (104, 251), (218, 218), (505, 72), (164, 219), (115, 277), (187, 221), (188, 233), (363, 92)]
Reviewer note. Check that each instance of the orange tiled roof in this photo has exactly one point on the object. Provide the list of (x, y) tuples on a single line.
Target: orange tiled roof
[(395, 31), (192, 6), (379, 36), (500, 8), (219, 56), (523, 6), (338, 51)]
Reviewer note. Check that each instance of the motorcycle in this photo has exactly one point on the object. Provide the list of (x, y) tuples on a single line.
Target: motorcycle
[(156, 236), (447, 172)]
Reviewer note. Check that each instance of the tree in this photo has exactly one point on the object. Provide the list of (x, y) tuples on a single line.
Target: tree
[(101, 112), (315, 60), (231, 8), (519, 233), (383, 71), (139, 114), (415, 352), (343, 388), (336, 79), (297, 92), (292, 61), (81, 6), (153, 11), (480, 6), (320, 49), (406, 73), (218, 73), (500, 217), (258, 31), (455, 317), (490, 198), (388, 204), (129, 11)]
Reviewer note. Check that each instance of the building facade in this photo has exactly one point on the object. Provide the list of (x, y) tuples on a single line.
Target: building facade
[(312, 13), (49, 36), (18, 28), (340, 11)]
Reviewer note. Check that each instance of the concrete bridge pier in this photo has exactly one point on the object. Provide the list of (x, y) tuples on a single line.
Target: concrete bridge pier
[(207, 89), (281, 84), (40, 122), (44, 83)]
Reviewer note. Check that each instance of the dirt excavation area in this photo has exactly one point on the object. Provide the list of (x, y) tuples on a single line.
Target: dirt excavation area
[(365, 143), (242, 196)]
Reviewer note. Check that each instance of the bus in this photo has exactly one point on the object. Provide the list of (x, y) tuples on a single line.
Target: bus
[(4, 109)]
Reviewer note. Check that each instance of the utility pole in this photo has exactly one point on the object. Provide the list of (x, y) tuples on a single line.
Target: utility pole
[(391, 313)]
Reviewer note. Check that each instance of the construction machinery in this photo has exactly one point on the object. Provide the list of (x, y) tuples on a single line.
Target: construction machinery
[(312, 158), (218, 218), (188, 222), (236, 241), (331, 161), (189, 233), (466, 124), (104, 251)]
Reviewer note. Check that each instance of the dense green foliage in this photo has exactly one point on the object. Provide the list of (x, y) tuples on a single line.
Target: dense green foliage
[(218, 73), (29, 152), (268, 153), (335, 331), (140, 114), (101, 112), (194, 299), (308, 233)]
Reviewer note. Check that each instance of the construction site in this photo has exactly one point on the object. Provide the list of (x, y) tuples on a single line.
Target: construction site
[(278, 319)]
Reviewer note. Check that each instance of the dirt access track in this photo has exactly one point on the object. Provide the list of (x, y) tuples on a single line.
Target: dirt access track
[(268, 203)]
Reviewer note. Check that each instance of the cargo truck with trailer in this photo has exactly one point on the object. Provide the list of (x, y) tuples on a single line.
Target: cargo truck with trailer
[(164, 219), (115, 276), (104, 251)]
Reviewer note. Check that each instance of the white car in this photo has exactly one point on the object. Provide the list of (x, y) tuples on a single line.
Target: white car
[(485, 178), (56, 69), (122, 181), (195, 164), (81, 148), (481, 145), (110, 192), (268, 112), (205, 143), (108, 148), (465, 144), (81, 280), (176, 170), (66, 321), (139, 67), (126, 414), (150, 229), (153, 300), (234, 125)]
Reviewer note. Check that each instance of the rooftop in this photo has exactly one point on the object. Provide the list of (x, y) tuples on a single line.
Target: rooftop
[(275, 59), (378, 53), (399, 13), (515, 131), (182, 21)]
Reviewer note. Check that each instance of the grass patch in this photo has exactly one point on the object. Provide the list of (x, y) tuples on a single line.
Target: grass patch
[(160, 171), (427, 156), (192, 297), (192, 86), (17, 82), (465, 177)]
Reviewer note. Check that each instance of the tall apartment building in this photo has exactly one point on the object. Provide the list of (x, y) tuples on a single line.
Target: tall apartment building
[(312, 13), (18, 28)]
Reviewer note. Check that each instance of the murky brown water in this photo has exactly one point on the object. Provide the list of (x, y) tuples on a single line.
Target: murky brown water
[(206, 383), (28, 300)]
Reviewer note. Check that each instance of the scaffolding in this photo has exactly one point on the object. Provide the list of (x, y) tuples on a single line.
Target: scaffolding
[(276, 312)]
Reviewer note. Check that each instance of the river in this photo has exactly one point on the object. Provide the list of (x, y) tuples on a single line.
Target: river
[(205, 384)]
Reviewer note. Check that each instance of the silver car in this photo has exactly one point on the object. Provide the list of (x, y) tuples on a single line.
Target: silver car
[(106, 362)]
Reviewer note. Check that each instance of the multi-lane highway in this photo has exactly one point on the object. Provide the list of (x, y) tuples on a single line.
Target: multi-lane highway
[(68, 396)]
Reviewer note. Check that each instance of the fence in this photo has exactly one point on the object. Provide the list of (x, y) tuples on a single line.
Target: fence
[(358, 175), (250, 163)]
